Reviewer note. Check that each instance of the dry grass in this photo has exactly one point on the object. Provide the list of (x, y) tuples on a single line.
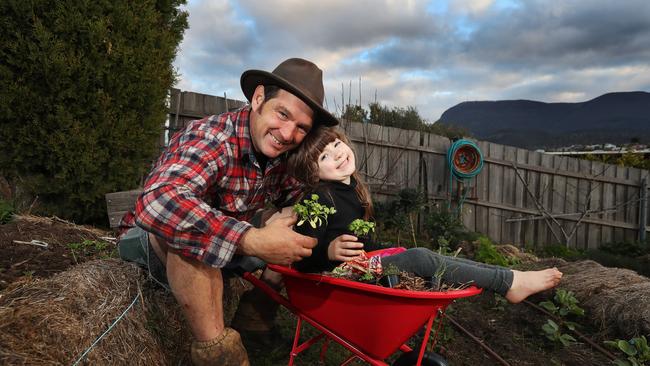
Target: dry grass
[(618, 299), (53, 321)]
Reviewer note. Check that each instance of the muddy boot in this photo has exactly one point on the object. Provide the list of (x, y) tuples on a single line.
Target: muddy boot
[(224, 350), (254, 318)]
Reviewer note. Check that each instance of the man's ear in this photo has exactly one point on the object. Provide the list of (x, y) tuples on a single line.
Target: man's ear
[(258, 98)]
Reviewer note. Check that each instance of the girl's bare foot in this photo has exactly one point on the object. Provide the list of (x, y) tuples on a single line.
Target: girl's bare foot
[(527, 283)]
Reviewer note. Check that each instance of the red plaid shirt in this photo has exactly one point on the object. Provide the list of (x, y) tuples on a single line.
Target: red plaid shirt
[(205, 187)]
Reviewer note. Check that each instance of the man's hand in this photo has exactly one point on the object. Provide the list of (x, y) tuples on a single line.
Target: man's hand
[(344, 248), (277, 243)]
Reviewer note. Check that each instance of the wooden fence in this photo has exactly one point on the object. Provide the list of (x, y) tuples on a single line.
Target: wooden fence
[(520, 197), (187, 106)]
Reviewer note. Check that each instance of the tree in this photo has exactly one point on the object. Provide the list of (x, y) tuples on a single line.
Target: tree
[(83, 89), (355, 113)]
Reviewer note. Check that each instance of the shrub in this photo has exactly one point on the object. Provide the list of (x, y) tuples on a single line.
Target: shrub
[(626, 248), (446, 229), (487, 253), (561, 251), (83, 88)]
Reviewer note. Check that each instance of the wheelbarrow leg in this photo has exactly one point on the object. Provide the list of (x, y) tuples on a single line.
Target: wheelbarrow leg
[(426, 338), (323, 349), (294, 349)]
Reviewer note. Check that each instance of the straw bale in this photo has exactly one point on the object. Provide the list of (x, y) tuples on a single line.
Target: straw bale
[(53, 321), (512, 251), (615, 298)]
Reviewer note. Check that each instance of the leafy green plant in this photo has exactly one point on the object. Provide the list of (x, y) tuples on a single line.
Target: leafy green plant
[(87, 247), (312, 212), (367, 277), (500, 303), (564, 303), (361, 227), (626, 248), (636, 351), (6, 212), (553, 332), (446, 229), (561, 251), (487, 253)]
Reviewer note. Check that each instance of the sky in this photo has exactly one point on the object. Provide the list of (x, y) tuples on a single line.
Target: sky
[(430, 55)]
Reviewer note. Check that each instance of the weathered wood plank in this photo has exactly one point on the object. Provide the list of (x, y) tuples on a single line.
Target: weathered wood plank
[(119, 203), (508, 234), (544, 193), (532, 180), (608, 199), (482, 190), (495, 193), (519, 228), (632, 209)]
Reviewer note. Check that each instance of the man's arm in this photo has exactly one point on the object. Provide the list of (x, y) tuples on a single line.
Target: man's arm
[(172, 204)]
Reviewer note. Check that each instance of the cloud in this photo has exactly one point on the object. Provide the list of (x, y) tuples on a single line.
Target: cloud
[(427, 54)]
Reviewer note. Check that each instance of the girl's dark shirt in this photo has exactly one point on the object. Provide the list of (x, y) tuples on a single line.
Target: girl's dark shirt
[(343, 198)]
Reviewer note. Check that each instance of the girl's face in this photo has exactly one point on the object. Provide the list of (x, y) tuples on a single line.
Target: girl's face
[(336, 162)]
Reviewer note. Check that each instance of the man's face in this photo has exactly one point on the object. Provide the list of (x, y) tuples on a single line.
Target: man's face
[(280, 124)]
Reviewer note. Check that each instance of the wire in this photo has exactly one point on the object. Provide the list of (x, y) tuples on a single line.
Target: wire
[(83, 355)]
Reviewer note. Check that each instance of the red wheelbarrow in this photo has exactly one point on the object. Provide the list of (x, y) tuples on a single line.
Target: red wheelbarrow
[(372, 322)]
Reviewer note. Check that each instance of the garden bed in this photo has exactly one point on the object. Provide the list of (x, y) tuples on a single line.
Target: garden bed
[(512, 331)]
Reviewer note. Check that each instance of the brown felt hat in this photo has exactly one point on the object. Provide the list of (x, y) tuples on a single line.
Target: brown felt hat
[(299, 77)]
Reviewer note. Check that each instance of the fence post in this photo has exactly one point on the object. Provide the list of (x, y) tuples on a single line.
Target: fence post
[(643, 209)]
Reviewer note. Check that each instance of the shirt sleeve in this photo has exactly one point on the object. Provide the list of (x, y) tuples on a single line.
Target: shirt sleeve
[(172, 205), (318, 261)]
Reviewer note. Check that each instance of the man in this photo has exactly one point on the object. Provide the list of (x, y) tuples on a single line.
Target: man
[(207, 185)]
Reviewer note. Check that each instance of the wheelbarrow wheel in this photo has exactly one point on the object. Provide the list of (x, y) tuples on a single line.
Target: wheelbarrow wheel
[(429, 359)]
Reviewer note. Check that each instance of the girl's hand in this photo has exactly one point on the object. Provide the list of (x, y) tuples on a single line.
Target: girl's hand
[(344, 248)]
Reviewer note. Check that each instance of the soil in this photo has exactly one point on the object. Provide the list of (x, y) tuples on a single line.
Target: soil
[(512, 331), (67, 245)]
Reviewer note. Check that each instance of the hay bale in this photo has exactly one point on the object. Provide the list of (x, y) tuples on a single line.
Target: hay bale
[(615, 298), (511, 251), (53, 321)]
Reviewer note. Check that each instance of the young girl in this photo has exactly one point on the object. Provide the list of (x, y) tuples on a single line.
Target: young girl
[(325, 163)]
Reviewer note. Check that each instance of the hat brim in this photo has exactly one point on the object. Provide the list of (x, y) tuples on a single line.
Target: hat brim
[(250, 79)]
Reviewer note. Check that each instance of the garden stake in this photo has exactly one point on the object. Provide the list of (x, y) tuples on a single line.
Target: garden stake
[(480, 342), (575, 331), (37, 243)]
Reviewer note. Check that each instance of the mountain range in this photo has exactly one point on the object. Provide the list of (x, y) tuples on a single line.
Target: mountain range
[(610, 118)]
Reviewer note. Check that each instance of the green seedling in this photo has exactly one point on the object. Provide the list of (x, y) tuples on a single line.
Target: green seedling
[(368, 276), (312, 212), (553, 332), (500, 303), (564, 303), (636, 351), (361, 227)]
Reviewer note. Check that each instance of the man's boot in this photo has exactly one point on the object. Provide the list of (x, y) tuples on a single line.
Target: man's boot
[(255, 317), (224, 350)]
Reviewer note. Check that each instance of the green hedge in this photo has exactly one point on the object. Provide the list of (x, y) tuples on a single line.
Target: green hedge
[(83, 86)]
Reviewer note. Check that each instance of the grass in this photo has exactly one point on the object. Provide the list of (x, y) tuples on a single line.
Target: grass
[(91, 248)]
